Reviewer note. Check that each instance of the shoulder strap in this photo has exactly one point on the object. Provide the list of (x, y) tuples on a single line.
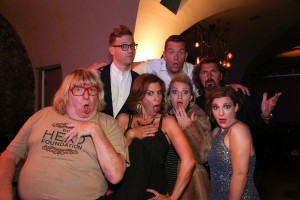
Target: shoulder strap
[(130, 121), (160, 121)]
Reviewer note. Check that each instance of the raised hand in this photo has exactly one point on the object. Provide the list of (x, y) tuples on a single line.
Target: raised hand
[(182, 118), (142, 131), (268, 105), (237, 87), (81, 129), (96, 68)]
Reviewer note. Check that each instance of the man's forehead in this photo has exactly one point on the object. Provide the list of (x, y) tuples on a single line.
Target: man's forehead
[(124, 38), (175, 45), (209, 66)]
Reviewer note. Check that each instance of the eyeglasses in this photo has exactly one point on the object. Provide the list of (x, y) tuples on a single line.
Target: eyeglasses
[(79, 91), (125, 47)]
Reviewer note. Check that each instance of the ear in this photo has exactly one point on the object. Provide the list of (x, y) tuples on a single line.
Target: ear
[(111, 50), (164, 55), (191, 98), (236, 108), (186, 55)]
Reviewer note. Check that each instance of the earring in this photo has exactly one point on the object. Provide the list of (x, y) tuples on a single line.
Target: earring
[(139, 108)]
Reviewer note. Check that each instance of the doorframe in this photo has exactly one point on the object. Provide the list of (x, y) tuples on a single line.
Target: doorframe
[(41, 80)]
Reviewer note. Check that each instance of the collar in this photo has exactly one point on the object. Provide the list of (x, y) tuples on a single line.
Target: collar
[(115, 69)]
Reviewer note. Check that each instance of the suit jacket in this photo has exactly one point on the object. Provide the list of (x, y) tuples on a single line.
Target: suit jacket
[(105, 78)]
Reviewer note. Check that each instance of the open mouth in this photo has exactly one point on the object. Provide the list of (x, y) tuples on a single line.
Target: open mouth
[(222, 121), (156, 108), (179, 104), (86, 108)]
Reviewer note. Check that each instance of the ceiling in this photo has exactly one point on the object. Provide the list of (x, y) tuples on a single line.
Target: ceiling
[(57, 31), (270, 30)]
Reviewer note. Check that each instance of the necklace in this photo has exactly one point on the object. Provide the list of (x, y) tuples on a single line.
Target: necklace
[(140, 124)]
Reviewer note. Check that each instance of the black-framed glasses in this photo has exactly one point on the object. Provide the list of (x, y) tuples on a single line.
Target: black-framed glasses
[(79, 90), (125, 47)]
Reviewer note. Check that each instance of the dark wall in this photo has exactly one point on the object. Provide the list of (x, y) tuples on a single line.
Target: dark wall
[(16, 81), (288, 106)]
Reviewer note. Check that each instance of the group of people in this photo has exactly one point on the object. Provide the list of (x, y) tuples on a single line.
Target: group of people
[(171, 117)]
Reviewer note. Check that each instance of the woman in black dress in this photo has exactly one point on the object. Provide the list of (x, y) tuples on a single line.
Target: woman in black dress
[(149, 135)]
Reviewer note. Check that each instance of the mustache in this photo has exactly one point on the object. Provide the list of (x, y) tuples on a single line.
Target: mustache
[(210, 80)]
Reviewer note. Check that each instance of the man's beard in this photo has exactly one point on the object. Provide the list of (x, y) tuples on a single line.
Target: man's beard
[(210, 85)]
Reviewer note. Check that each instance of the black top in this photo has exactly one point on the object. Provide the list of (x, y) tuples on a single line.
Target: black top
[(146, 171)]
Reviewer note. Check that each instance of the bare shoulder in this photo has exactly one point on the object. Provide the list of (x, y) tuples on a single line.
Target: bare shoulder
[(169, 124), (123, 119), (169, 119), (123, 116), (240, 129)]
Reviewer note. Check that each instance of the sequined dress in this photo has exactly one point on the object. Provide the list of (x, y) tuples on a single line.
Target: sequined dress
[(219, 161)]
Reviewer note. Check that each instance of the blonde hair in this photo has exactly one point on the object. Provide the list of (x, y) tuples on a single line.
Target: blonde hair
[(79, 77), (180, 78)]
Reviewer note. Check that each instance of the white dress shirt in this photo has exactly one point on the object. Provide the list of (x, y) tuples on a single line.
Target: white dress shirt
[(158, 68), (120, 87)]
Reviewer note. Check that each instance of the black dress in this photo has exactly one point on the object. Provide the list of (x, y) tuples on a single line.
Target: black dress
[(146, 171)]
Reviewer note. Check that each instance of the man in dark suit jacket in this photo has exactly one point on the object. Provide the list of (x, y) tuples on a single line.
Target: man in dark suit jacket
[(106, 79), (118, 76)]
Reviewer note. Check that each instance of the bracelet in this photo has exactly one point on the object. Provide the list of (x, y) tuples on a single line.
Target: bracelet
[(266, 118)]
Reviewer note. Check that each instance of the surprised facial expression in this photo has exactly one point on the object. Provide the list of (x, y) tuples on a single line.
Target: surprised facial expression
[(152, 100), (120, 56), (224, 111), (175, 55), (82, 107), (210, 76), (180, 95)]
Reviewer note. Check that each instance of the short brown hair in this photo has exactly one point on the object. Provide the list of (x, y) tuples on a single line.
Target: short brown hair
[(139, 90), (175, 38), (119, 32)]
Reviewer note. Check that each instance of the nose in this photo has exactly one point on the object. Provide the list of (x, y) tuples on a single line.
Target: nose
[(179, 96), (86, 94), (221, 112), (209, 75), (175, 56), (156, 97)]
